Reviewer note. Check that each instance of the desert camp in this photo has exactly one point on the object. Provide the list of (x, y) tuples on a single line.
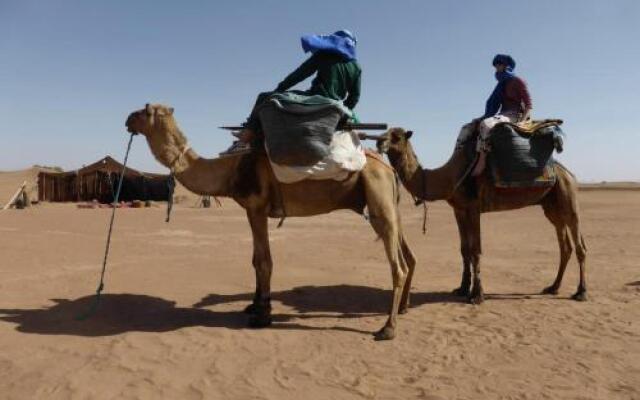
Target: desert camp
[(98, 181), (411, 200)]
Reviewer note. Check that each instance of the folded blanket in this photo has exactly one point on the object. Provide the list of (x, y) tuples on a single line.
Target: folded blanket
[(298, 129), (345, 156)]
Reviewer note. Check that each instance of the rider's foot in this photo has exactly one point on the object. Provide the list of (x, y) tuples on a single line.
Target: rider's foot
[(237, 148), (246, 135)]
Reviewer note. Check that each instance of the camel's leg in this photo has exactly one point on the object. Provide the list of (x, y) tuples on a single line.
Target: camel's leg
[(385, 223), (563, 203), (261, 307), (389, 234), (565, 248), (253, 307), (465, 251), (475, 248), (581, 253), (410, 260), (381, 195)]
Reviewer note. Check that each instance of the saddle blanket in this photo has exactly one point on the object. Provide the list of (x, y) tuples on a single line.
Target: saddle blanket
[(518, 159), (345, 156), (299, 129)]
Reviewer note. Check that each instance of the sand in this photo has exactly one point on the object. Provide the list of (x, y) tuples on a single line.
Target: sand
[(170, 324)]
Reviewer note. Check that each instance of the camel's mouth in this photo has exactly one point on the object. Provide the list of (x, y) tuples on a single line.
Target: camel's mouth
[(129, 123)]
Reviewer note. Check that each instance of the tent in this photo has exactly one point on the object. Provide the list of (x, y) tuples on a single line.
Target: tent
[(98, 181)]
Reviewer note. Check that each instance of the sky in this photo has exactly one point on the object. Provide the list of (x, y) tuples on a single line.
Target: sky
[(71, 71)]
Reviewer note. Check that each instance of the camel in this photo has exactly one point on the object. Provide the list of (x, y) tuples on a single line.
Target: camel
[(248, 179), (559, 203)]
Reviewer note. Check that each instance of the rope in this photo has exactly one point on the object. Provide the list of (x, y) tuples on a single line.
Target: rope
[(464, 176), (424, 218), (421, 199), (281, 198), (94, 305), (172, 185)]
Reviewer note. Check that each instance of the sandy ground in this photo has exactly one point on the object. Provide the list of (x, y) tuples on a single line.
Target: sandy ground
[(170, 324)]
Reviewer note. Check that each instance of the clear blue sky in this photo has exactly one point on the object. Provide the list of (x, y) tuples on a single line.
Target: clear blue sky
[(71, 71)]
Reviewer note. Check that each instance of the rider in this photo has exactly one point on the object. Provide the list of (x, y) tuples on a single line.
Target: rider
[(338, 74), (509, 102)]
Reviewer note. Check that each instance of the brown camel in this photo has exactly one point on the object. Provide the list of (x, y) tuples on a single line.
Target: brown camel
[(559, 203), (249, 180)]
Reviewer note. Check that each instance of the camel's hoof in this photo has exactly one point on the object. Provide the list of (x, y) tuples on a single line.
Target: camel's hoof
[(476, 299), (580, 296), (251, 309), (386, 333), (260, 321), (461, 291), (257, 308), (550, 290)]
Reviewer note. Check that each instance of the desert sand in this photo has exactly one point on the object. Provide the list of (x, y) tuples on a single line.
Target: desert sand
[(170, 324)]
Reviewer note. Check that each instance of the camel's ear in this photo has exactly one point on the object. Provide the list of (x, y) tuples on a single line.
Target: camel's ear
[(150, 113), (409, 134), (170, 109)]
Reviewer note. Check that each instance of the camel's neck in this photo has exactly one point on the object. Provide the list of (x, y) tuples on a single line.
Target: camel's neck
[(199, 175), (428, 184)]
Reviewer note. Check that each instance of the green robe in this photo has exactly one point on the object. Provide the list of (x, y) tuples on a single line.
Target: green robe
[(336, 78)]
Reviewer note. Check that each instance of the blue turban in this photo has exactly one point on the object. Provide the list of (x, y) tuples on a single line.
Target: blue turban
[(504, 59), (341, 42)]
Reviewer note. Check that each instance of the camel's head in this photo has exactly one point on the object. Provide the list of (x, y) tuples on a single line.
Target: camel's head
[(146, 120), (394, 141)]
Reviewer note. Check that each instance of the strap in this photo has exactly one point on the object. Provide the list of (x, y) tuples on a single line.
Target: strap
[(173, 164)]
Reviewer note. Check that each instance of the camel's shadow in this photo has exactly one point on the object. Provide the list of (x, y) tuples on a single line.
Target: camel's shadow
[(121, 313)]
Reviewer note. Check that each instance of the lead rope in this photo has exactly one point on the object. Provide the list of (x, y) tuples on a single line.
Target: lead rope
[(421, 200), (172, 185), (466, 173), (96, 301), (424, 202), (284, 210)]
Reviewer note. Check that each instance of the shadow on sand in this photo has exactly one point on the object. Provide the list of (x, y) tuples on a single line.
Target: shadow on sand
[(121, 313), (521, 296)]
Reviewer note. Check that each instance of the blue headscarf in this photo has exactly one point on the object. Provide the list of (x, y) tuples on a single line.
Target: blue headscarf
[(341, 42), (504, 59), (495, 100)]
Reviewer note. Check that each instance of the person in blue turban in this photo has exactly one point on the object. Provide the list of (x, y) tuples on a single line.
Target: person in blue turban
[(337, 76), (510, 101)]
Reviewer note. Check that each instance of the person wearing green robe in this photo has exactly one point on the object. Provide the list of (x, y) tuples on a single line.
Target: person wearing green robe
[(338, 76)]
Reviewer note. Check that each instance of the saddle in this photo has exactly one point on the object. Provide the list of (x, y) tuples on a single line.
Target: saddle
[(521, 155), (532, 127)]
